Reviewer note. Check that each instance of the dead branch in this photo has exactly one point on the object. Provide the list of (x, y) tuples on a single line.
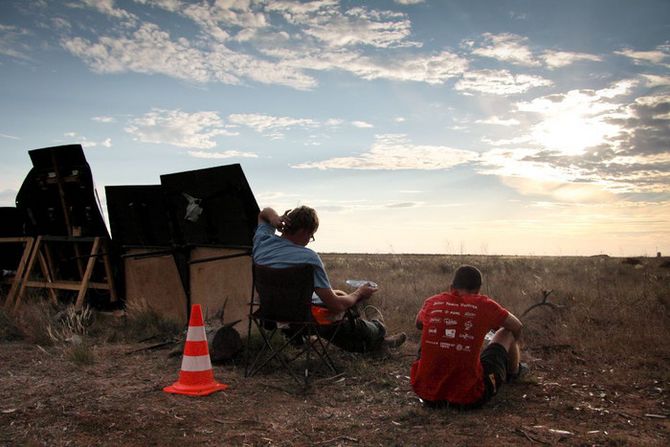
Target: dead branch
[(544, 302)]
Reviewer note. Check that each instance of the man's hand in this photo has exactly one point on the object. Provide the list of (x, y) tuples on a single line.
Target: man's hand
[(365, 292), (270, 216)]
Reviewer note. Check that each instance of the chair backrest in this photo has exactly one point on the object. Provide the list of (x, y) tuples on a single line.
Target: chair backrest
[(285, 294)]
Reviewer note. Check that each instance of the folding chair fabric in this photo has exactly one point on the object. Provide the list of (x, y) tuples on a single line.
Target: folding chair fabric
[(285, 300)]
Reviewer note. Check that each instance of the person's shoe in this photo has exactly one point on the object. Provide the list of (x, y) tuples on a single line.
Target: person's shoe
[(371, 313), (515, 377), (394, 341)]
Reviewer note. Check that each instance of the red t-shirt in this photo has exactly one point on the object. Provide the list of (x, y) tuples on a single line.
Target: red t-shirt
[(454, 327)]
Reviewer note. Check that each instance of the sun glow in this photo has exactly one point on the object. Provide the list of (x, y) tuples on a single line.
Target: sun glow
[(571, 134)]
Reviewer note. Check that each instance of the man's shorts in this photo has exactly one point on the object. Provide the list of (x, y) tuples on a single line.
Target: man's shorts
[(494, 362)]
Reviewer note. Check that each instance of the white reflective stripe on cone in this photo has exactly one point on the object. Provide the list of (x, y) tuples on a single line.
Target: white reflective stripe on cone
[(196, 363), (196, 333)]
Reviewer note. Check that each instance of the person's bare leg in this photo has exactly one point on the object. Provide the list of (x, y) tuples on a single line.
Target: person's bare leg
[(506, 339)]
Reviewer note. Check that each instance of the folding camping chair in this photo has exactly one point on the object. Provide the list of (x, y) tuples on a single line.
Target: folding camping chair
[(284, 306)]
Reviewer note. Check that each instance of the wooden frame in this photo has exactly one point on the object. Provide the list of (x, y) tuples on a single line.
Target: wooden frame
[(21, 268), (40, 254)]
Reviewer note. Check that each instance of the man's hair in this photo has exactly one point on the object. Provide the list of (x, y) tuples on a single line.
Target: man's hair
[(301, 218), (467, 277)]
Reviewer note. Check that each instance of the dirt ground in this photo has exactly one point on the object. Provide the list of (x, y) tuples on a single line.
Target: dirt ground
[(46, 399)]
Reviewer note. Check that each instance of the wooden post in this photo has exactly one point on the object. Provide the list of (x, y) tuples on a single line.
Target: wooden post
[(87, 274), (20, 270)]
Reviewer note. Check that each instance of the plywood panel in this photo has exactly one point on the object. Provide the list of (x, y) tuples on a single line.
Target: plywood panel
[(213, 282), (154, 282)]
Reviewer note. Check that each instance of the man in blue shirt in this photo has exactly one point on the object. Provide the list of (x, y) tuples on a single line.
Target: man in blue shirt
[(297, 229)]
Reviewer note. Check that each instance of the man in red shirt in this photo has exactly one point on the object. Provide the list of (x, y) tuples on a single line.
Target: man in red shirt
[(451, 369)]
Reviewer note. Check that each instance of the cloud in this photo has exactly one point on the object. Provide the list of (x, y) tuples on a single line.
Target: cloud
[(10, 137), (499, 82), (588, 145), (107, 8), (150, 50), (497, 121), (85, 142), (656, 81), (324, 21), (558, 59), (505, 47), (656, 56), (272, 126), (396, 152), (362, 124), (324, 36), (647, 124), (104, 119), (11, 44), (177, 128), (221, 155)]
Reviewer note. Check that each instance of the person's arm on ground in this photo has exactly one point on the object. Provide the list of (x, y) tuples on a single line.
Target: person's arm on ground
[(418, 322), (513, 325), (340, 303)]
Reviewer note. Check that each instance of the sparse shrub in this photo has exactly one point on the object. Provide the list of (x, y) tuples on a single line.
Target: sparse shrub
[(32, 320), (80, 353), (143, 323), (8, 329)]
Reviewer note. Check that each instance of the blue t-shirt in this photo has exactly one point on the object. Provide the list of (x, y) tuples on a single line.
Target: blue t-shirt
[(273, 251)]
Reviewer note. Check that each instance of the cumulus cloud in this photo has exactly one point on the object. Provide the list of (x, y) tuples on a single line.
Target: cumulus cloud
[(657, 56), (104, 119), (271, 126), (221, 155), (505, 47), (85, 142), (177, 128), (151, 50), (558, 59), (326, 22), (324, 36), (362, 124), (396, 152), (499, 82), (588, 143), (106, 7), (497, 121)]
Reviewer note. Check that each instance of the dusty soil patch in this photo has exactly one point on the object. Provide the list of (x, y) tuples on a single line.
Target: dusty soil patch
[(47, 400)]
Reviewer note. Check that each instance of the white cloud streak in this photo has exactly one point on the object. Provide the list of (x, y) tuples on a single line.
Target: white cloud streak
[(499, 82), (558, 59), (177, 128), (221, 155), (506, 47), (271, 126), (395, 152)]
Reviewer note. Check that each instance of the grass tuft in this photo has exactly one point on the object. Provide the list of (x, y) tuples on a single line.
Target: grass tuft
[(142, 323), (80, 353)]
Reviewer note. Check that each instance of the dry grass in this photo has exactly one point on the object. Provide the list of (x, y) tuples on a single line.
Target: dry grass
[(142, 322), (609, 308)]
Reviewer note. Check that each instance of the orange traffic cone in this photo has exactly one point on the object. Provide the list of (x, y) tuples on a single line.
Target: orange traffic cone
[(196, 377)]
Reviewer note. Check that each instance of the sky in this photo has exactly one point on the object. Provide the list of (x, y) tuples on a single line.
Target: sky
[(501, 127)]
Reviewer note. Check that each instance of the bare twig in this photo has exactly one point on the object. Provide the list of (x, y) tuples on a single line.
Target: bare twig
[(529, 437), (148, 348), (344, 438)]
